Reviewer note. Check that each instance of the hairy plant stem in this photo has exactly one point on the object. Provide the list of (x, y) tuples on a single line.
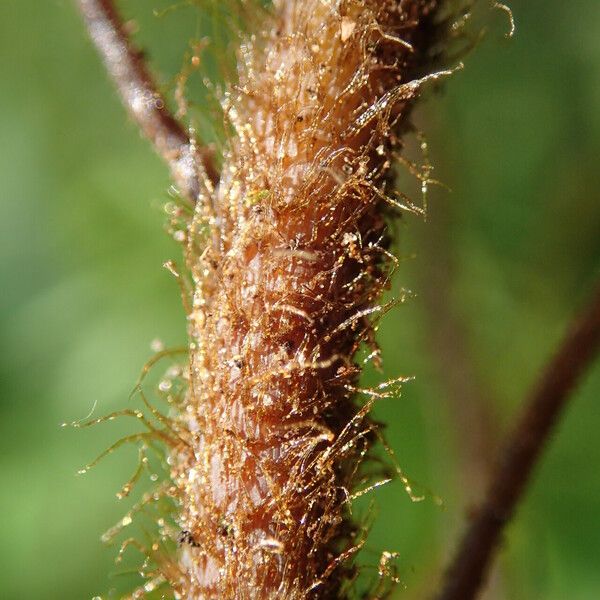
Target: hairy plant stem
[(269, 446), (283, 303)]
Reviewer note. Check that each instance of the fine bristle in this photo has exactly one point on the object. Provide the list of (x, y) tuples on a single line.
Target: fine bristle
[(288, 257)]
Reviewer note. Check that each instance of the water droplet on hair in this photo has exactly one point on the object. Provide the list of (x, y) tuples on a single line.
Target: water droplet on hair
[(157, 345), (165, 385)]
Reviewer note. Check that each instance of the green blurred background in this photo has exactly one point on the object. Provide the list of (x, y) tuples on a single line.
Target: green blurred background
[(504, 260)]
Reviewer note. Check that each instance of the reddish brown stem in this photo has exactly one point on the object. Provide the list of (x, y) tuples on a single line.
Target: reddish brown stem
[(522, 450), (188, 163)]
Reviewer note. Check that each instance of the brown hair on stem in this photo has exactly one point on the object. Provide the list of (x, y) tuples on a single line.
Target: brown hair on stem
[(283, 302), (270, 441), (266, 449)]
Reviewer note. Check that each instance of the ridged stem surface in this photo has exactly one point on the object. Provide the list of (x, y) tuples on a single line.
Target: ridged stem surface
[(286, 293)]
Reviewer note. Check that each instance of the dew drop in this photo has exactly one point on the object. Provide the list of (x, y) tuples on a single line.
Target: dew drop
[(174, 371), (171, 208), (157, 345), (124, 492), (165, 385)]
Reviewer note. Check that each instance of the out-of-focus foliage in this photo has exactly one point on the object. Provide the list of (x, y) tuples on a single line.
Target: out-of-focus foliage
[(516, 135)]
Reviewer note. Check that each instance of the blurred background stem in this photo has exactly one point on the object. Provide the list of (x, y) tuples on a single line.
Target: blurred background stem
[(522, 450)]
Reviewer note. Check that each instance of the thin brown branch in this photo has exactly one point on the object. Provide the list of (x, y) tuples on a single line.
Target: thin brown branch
[(188, 163), (522, 450)]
